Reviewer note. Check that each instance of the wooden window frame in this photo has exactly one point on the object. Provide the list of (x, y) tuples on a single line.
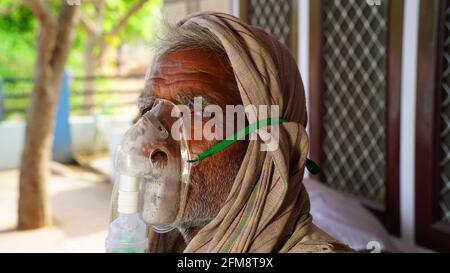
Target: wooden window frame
[(390, 215), (429, 231)]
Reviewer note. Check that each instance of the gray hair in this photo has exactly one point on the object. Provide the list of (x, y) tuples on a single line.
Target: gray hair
[(190, 36)]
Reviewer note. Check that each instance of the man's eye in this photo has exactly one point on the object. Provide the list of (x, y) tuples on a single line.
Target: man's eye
[(145, 110)]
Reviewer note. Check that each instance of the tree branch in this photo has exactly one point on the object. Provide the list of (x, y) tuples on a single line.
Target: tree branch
[(68, 18), (46, 39), (94, 26), (89, 25), (115, 30), (126, 17), (40, 9)]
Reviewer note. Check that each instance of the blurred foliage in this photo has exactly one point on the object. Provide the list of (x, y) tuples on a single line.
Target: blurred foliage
[(141, 26), (17, 46), (18, 32)]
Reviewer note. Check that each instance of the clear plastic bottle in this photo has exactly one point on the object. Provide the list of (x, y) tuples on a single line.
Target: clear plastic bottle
[(128, 232)]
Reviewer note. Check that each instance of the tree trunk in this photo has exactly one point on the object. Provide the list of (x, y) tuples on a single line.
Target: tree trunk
[(33, 202), (34, 209), (54, 41)]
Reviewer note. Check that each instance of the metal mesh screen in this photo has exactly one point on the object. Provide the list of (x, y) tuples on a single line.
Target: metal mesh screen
[(444, 200), (274, 16), (354, 86)]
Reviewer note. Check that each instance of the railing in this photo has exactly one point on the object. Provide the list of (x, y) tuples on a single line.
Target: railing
[(87, 95)]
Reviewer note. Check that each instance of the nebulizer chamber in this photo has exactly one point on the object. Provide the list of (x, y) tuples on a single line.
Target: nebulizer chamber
[(153, 179)]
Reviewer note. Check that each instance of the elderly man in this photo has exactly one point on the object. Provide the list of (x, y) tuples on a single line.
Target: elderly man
[(241, 199)]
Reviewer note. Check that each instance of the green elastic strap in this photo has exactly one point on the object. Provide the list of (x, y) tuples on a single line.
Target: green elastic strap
[(310, 165)]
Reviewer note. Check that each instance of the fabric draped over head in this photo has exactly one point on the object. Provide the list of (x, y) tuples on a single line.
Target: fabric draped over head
[(267, 209)]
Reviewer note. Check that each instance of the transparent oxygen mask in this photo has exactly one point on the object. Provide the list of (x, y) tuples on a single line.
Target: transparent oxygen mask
[(154, 155), (153, 174)]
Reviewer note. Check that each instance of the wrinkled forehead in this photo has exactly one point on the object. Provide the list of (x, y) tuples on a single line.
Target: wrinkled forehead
[(190, 73), (193, 60)]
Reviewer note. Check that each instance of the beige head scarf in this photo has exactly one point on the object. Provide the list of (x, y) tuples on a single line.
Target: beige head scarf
[(267, 209)]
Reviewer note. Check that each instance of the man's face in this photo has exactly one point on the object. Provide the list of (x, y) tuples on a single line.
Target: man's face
[(179, 77)]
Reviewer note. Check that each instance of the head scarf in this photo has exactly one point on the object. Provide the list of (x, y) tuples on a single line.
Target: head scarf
[(267, 209)]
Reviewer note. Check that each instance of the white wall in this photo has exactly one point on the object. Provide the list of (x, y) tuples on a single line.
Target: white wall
[(234, 7), (89, 134), (11, 138), (175, 10), (408, 119)]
